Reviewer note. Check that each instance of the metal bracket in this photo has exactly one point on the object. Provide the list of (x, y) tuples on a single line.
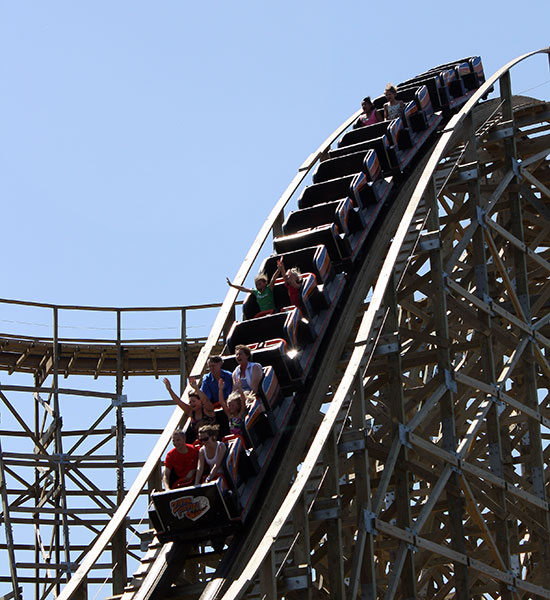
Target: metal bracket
[(382, 349), (119, 401), (299, 582), (429, 241), (404, 435), (480, 215), (506, 130), (59, 458), (450, 383), (516, 166), (456, 469), (467, 172), (500, 404), (369, 519), (445, 278)]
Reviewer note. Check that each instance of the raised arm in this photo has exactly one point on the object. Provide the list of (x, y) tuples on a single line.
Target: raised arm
[(274, 278), (205, 400), (185, 407), (221, 398), (244, 405), (238, 287)]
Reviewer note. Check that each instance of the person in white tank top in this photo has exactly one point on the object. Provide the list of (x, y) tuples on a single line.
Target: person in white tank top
[(393, 107), (211, 454)]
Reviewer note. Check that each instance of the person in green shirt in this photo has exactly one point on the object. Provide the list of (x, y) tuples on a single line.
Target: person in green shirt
[(263, 292)]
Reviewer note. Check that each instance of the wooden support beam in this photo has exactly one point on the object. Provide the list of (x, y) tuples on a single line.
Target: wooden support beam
[(403, 573)]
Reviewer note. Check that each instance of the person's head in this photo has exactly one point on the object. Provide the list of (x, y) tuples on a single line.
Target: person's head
[(242, 354), (208, 433), (215, 364), (294, 277), (260, 281), (178, 439), (194, 400), (234, 403), (390, 92), (367, 105)]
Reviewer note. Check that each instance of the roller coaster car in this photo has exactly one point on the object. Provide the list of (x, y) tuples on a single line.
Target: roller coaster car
[(349, 158), (351, 219), (327, 191), (340, 212), (340, 219), (362, 134), (192, 512), (288, 325), (329, 235), (450, 85), (369, 188), (291, 341), (314, 260), (213, 510)]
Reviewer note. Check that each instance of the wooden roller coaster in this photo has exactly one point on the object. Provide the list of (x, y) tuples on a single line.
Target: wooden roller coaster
[(417, 466)]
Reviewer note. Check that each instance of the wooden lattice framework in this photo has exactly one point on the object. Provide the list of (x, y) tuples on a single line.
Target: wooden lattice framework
[(68, 434)]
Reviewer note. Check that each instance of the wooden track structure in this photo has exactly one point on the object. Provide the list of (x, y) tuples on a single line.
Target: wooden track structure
[(420, 468)]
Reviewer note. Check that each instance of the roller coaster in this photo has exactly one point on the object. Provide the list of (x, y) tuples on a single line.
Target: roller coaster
[(415, 372)]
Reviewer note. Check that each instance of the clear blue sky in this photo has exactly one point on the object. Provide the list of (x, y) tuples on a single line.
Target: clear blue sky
[(144, 143)]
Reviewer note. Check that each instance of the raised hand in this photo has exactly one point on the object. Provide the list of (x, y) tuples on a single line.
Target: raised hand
[(194, 383)]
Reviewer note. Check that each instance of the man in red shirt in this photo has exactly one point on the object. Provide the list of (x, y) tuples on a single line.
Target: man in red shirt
[(180, 464)]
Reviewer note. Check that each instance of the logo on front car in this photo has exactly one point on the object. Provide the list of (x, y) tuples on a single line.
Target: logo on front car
[(190, 507)]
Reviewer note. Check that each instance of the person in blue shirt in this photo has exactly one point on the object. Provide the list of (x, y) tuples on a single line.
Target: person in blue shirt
[(209, 384)]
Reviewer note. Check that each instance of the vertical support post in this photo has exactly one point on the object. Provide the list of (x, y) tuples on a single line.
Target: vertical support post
[(448, 424), (8, 529), (268, 579), (494, 434), (533, 457), (119, 538), (302, 549), (61, 500), (154, 484), (36, 494), (183, 347), (362, 576), (331, 488), (407, 577)]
